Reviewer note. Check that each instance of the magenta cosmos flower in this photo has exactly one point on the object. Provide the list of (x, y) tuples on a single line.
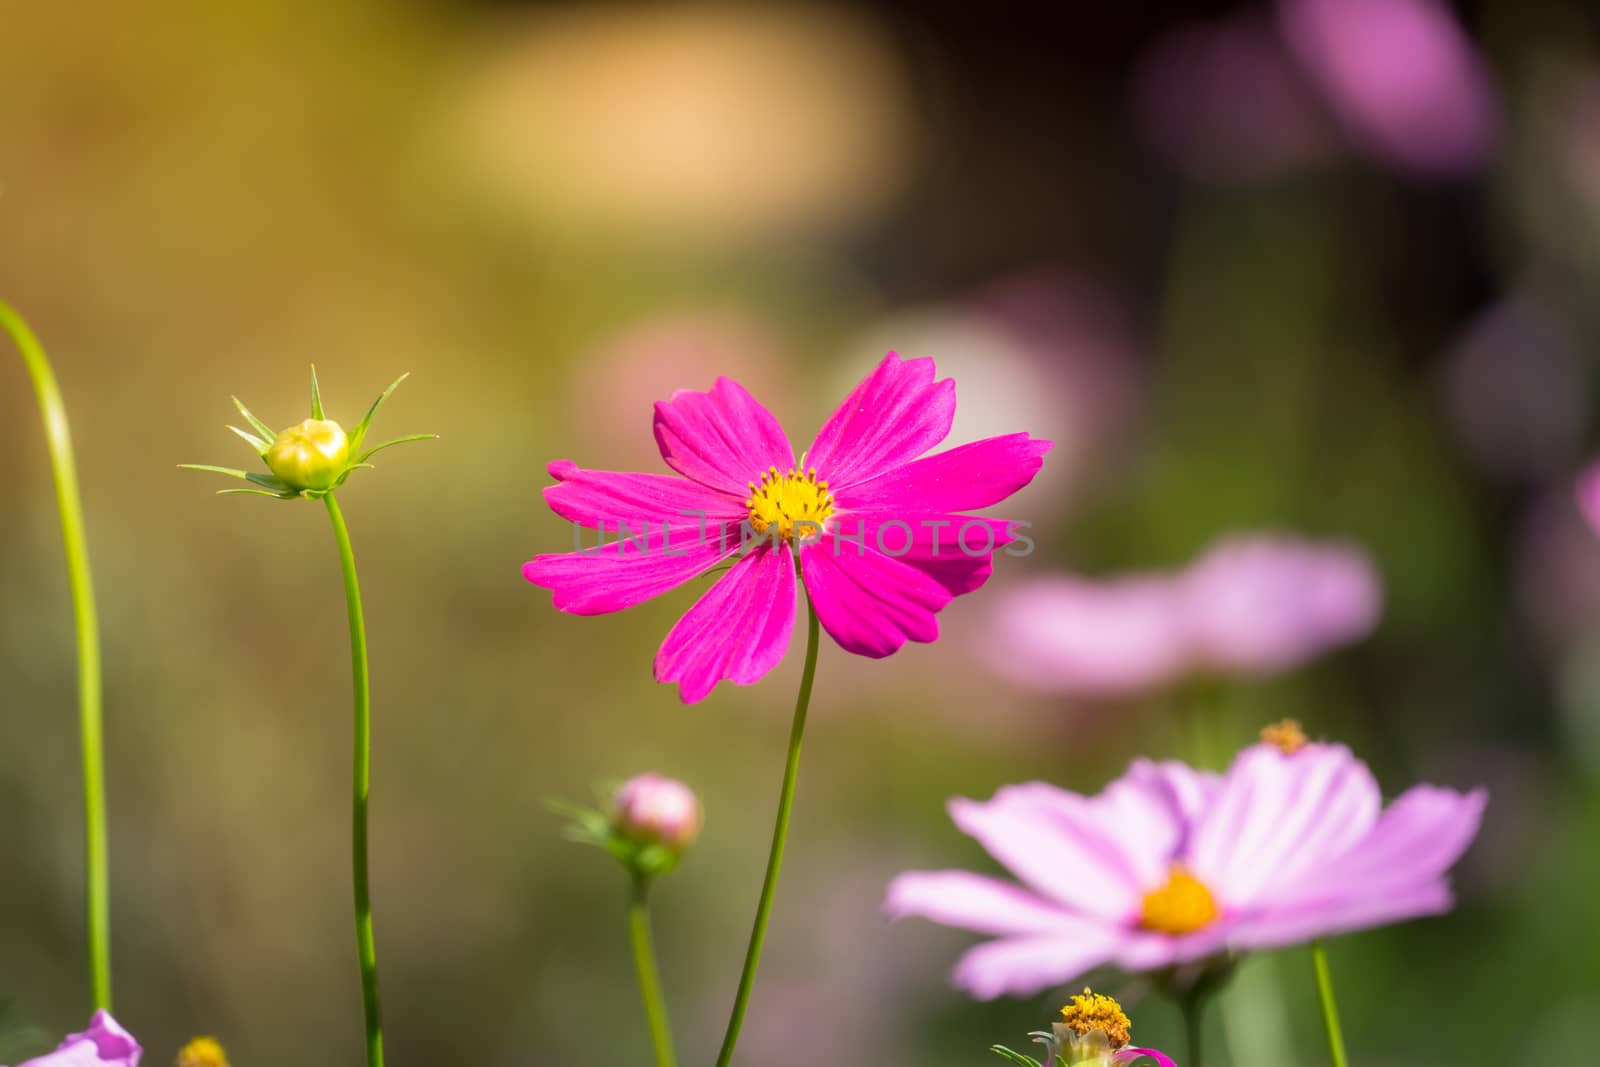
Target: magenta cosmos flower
[(104, 1044), (880, 536), (1171, 865), (1250, 606)]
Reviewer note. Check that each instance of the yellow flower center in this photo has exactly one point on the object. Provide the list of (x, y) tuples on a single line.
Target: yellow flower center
[(797, 504), (1095, 1011), (203, 1052), (1180, 907), (1285, 735)]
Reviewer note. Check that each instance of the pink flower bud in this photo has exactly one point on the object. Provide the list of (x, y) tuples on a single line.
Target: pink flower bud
[(653, 809)]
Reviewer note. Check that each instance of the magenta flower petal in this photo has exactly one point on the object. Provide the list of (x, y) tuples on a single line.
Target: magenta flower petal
[(605, 499), (895, 415), (104, 1044), (628, 572), (869, 603), (1022, 966), (723, 438), (1055, 843), (1278, 816), (1133, 1053), (964, 478), (738, 630), (957, 551), (978, 903)]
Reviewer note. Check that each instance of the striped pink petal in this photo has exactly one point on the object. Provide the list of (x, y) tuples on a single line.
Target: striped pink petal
[(603, 499), (965, 478), (869, 603), (723, 438), (895, 415), (976, 902), (1023, 966), (629, 571), (738, 631)]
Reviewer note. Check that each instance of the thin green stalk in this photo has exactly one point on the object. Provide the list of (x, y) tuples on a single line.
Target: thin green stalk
[(1193, 1026), (780, 834), (91, 739), (365, 951), (1330, 1010), (644, 961)]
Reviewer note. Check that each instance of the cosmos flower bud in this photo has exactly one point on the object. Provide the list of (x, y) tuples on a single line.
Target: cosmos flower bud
[(652, 809), (203, 1052), (1093, 1032), (310, 454)]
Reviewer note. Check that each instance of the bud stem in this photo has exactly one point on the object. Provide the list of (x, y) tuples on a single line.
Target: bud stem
[(1330, 1010), (366, 952), (75, 545), (644, 961), (780, 834)]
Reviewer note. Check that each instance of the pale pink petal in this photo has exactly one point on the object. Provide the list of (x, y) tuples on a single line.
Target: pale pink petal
[(1144, 950), (1278, 816), (104, 1044), (1090, 639), (895, 415), (957, 551), (965, 478), (1023, 966), (629, 571), (870, 604), (1278, 927), (602, 499), (1417, 839), (1057, 843), (723, 438), (738, 630), (1189, 791), (975, 902)]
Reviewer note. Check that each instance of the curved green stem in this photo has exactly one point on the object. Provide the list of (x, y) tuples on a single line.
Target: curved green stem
[(68, 499), (780, 834), (1330, 1010), (644, 961), (1193, 1027), (366, 953)]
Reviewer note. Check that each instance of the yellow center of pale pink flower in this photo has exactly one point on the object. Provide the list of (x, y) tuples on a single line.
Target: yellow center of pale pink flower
[(1180, 907), (797, 504), (1285, 735)]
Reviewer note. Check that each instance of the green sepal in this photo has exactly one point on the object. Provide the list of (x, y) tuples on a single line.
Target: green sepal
[(231, 472), (260, 427), (253, 441), (1015, 1057), (375, 449), (316, 395), (358, 434), (269, 481), (257, 492)]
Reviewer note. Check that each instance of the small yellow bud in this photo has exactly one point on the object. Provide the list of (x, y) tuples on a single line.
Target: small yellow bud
[(203, 1052), (310, 455)]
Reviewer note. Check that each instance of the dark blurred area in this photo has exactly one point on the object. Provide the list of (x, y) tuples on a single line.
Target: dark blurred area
[(1315, 265)]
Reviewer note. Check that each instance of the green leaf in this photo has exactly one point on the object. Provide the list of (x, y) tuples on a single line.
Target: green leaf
[(229, 471), (256, 492), (255, 442), (268, 481), (316, 395), (1015, 1057), (360, 431), (369, 453), (260, 427)]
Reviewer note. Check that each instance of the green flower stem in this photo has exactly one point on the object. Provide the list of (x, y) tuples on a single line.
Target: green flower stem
[(644, 961), (91, 738), (1330, 1010), (1194, 1016), (780, 834), (365, 951)]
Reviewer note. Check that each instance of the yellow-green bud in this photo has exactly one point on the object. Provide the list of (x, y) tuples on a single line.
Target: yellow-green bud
[(310, 455), (202, 1052)]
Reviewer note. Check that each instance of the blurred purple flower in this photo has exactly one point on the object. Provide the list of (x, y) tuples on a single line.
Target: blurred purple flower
[(1170, 865), (1588, 492), (1402, 75), (1249, 606), (104, 1043), (1223, 101)]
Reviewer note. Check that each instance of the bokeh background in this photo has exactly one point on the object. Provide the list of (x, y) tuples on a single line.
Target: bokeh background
[(1312, 266)]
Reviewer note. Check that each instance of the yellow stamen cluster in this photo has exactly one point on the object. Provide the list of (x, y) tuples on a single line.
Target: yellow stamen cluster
[(1180, 907), (789, 501), (203, 1052), (1095, 1011), (1285, 735)]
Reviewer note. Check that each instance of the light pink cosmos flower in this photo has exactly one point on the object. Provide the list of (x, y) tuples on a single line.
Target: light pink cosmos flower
[(1171, 865), (1250, 606), (881, 538), (104, 1044)]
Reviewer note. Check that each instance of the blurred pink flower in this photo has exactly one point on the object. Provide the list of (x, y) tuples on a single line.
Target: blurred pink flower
[(881, 534), (104, 1043), (1588, 495), (1249, 606), (1170, 865), (1402, 75), (1223, 101), (651, 807)]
